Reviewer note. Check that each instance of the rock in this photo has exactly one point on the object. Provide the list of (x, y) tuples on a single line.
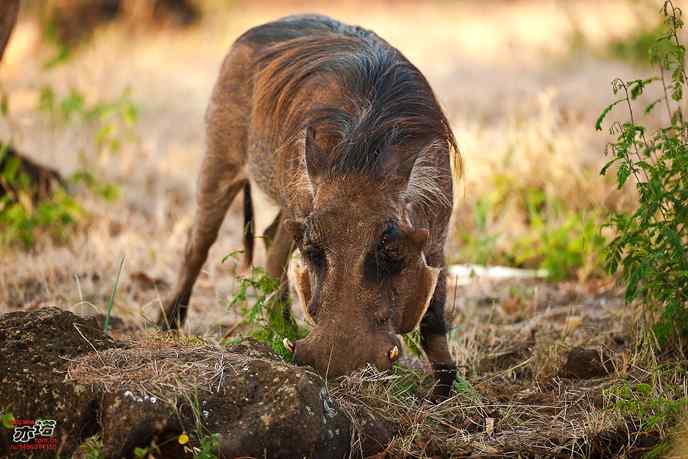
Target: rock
[(147, 392), (129, 421), (256, 403), (34, 348), (274, 405), (584, 363)]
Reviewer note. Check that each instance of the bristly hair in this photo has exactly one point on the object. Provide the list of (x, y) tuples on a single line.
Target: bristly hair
[(388, 100)]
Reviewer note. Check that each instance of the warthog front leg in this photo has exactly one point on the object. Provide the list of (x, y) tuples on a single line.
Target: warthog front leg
[(433, 330), (218, 184), (279, 247), (222, 176)]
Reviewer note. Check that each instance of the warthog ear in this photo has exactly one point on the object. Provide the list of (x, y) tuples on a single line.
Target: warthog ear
[(414, 297), (314, 158)]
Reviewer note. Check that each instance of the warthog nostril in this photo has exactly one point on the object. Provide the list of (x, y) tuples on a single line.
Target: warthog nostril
[(393, 354), (288, 344)]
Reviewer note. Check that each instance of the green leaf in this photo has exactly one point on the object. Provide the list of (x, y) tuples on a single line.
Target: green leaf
[(111, 300), (622, 174), (4, 104), (605, 112), (7, 419)]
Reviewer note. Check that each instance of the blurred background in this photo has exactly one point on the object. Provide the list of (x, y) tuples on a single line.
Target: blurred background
[(111, 94)]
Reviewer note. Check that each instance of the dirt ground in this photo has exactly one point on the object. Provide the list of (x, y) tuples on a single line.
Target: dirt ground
[(517, 96)]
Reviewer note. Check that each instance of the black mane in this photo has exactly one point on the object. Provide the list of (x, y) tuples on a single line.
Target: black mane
[(389, 101)]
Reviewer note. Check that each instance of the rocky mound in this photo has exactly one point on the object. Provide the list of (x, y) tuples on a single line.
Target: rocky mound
[(155, 392)]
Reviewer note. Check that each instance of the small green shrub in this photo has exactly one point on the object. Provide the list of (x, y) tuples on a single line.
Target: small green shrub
[(479, 245), (412, 341), (109, 123), (21, 218), (92, 447), (650, 247), (652, 408), (636, 47), (266, 317), (564, 241), (207, 448), (112, 121), (25, 217)]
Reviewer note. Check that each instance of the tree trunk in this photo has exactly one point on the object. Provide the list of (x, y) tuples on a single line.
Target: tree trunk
[(9, 10)]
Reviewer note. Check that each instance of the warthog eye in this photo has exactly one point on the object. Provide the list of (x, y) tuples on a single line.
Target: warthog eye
[(314, 255), (389, 247), (386, 259)]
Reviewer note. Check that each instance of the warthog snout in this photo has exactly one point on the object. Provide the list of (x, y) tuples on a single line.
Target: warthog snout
[(337, 356)]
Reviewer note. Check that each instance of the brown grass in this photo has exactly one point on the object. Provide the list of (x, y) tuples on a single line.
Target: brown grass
[(155, 364)]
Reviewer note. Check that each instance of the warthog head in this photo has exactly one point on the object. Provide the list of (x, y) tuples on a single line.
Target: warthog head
[(363, 277)]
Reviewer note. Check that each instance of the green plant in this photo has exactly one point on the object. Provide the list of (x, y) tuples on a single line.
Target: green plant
[(113, 121), (208, 447), (651, 407), (106, 190), (404, 381), (62, 53), (111, 300), (412, 340), (479, 245), (6, 419), (650, 244), (560, 240), (636, 47), (267, 317), (208, 443), (22, 219), (465, 389), (555, 237), (92, 447)]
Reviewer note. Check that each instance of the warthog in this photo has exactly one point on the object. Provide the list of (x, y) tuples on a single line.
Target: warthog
[(345, 135)]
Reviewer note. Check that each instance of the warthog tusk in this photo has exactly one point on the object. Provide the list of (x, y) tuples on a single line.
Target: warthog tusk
[(393, 354), (288, 344)]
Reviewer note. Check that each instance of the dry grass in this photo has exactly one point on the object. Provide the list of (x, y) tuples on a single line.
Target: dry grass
[(558, 420), (155, 364), (515, 398)]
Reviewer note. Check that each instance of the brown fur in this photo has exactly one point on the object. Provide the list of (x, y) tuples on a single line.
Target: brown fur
[(347, 138)]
